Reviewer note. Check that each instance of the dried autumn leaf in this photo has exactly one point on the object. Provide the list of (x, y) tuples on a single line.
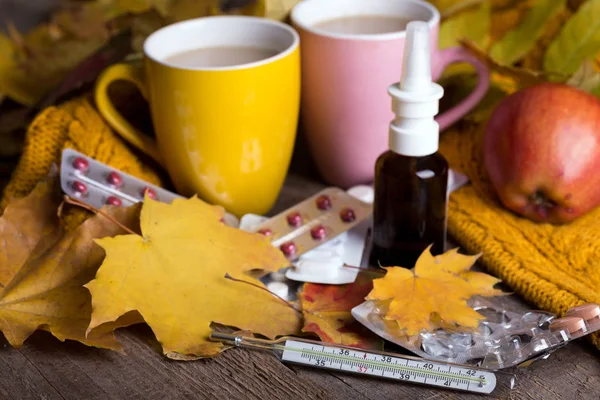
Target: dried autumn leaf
[(142, 26), (33, 64), (82, 22), (174, 276), (255, 8), (578, 40), (14, 83), (162, 6), (437, 287), (135, 6), (43, 269), (180, 10), (515, 44), (326, 311)]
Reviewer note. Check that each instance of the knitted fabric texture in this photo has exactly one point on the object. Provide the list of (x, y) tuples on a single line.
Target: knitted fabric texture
[(552, 267), (76, 125)]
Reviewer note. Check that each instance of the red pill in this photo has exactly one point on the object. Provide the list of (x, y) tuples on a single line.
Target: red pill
[(79, 188), (266, 232), (114, 201), (318, 232), (81, 164), (288, 249), (114, 179), (294, 219), (323, 202), (347, 215), (150, 192)]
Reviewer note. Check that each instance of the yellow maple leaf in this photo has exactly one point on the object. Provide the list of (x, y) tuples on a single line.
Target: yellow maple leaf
[(174, 276), (43, 269), (437, 287)]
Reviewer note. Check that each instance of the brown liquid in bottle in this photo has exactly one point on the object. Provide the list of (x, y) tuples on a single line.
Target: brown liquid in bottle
[(409, 208)]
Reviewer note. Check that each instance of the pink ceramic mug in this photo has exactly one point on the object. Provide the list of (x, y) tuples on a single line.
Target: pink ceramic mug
[(346, 109)]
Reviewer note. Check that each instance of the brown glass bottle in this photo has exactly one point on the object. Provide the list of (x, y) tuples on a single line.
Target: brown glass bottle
[(410, 208)]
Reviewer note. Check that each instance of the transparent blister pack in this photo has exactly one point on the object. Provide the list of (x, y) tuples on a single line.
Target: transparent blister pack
[(314, 222), (504, 339)]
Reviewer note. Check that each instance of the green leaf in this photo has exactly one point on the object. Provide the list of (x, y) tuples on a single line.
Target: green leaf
[(448, 8), (578, 40), (473, 24), (586, 78), (515, 44)]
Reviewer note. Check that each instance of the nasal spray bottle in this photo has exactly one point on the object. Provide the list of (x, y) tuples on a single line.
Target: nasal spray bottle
[(411, 178)]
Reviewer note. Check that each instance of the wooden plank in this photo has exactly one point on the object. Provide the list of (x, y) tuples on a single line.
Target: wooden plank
[(20, 378), (78, 372), (569, 373)]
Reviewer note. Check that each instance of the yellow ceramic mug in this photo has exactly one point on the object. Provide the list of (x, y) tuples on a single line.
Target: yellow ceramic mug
[(225, 133)]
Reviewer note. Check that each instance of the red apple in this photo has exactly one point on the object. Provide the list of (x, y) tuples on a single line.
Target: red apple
[(542, 152)]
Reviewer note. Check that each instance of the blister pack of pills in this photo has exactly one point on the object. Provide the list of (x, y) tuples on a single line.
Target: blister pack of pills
[(504, 339), (333, 262), (97, 184), (314, 221)]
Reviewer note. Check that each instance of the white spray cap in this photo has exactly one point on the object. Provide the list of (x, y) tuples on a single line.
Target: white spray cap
[(415, 99)]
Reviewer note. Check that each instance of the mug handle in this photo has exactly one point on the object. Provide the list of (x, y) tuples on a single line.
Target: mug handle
[(459, 54), (134, 74)]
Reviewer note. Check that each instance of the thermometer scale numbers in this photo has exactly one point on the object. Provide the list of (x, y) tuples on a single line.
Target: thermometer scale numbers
[(403, 369)]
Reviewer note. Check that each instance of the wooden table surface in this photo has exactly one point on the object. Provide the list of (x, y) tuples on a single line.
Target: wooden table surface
[(45, 368)]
